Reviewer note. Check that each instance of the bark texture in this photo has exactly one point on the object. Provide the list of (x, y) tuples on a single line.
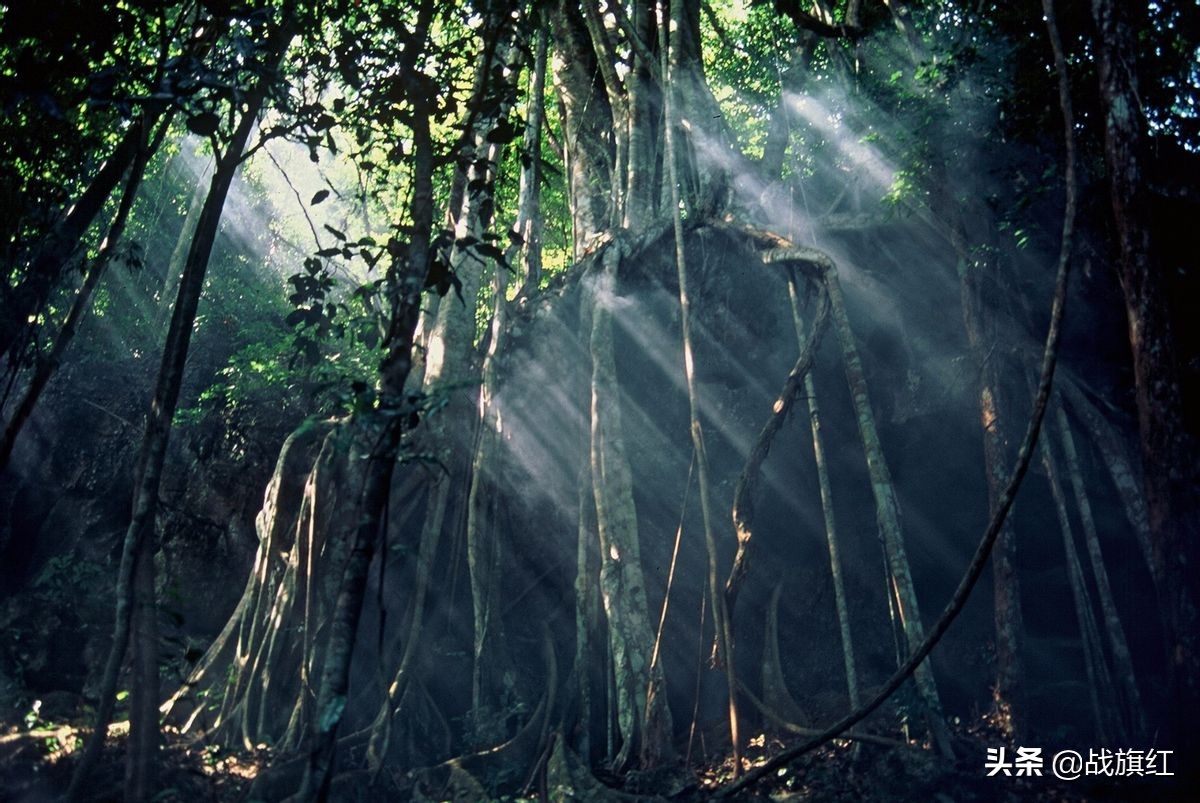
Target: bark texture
[(642, 713), (1169, 448)]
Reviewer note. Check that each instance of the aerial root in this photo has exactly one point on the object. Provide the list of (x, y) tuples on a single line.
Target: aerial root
[(569, 780), (776, 696), (987, 540)]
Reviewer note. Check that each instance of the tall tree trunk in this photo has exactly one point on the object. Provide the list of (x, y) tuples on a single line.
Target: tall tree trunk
[(1122, 660), (988, 325), (587, 122), (644, 113), (1098, 681), (454, 331), (835, 562), (643, 717), (1169, 448), (1124, 468), (483, 548), (669, 43), (383, 444), (141, 765), (491, 665), (643, 721), (138, 550), (587, 608), (887, 513), (529, 217), (1008, 695), (994, 404)]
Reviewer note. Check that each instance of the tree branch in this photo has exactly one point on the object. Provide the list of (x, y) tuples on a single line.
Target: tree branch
[(802, 19)]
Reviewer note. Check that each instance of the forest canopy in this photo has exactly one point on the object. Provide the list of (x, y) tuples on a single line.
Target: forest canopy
[(597, 401)]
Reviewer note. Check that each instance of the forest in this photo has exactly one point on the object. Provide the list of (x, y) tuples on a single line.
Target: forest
[(630, 400)]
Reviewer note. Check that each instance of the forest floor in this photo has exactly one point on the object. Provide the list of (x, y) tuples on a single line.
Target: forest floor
[(36, 763)]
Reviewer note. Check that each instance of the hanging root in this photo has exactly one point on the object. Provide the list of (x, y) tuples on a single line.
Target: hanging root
[(1123, 466), (743, 495), (569, 779), (469, 777), (786, 724), (1003, 504), (281, 778), (774, 687), (277, 526), (430, 536)]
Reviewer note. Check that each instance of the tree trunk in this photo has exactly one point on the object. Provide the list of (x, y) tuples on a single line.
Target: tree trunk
[(887, 513), (141, 767), (835, 563), (529, 217), (1008, 693), (587, 126), (490, 666), (382, 448), (138, 544), (643, 716), (1098, 681), (644, 113), (986, 322), (669, 43), (587, 611), (1122, 660), (492, 678), (1123, 467), (1169, 448), (451, 360), (380, 456)]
